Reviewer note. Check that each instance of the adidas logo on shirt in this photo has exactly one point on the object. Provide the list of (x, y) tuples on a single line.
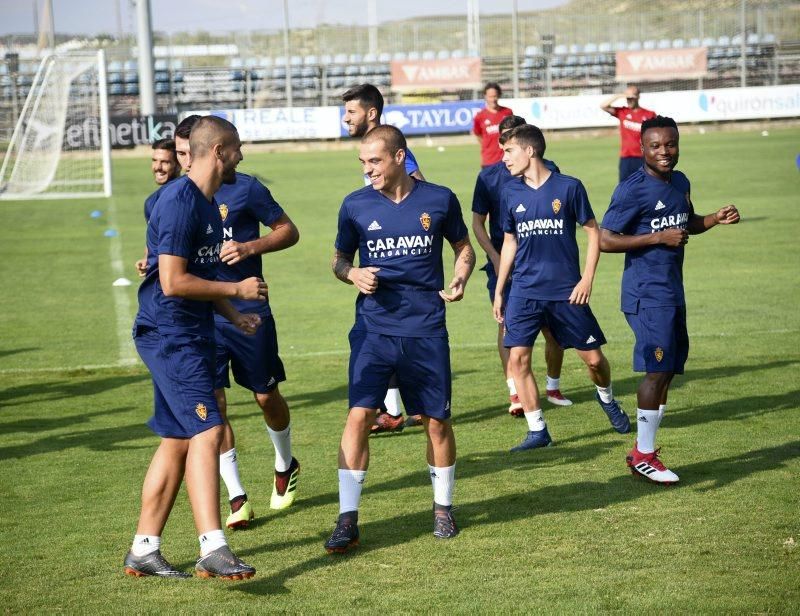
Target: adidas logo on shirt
[(591, 339), (271, 381), (374, 226), (659, 205), (520, 208), (209, 231)]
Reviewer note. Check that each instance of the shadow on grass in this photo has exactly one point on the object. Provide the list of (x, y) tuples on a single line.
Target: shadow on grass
[(72, 388), (580, 391), (580, 496), (7, 352), (104, 439)]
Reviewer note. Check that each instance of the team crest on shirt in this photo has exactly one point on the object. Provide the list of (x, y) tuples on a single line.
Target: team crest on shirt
[(201, 410), (659, 353), (556, 206), (425, 220), (223, 211)]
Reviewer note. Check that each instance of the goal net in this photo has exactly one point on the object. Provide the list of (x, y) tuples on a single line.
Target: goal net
[(44, 159)]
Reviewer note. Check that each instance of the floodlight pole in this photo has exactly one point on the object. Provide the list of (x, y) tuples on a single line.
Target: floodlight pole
[(286, 51), (743, 46), (144, 35), (515, 46)]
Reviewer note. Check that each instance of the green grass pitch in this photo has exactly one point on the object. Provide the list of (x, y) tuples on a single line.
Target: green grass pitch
[(566, 529)]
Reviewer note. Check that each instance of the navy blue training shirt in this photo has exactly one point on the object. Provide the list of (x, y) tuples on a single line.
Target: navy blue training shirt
[(547, 263), (243, 206), (653, 275), (185, 224), (486, 197), (150, 202), (405, 241)]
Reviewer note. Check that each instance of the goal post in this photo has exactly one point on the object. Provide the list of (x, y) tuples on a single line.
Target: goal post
[(61, 147)]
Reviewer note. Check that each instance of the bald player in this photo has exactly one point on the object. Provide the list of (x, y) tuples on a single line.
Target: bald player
[(174, 335)]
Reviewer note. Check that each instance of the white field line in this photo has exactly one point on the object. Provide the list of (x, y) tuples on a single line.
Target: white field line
[(122, 303), (134, 360)]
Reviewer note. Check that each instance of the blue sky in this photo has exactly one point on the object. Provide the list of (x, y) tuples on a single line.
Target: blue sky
[(95, 16)]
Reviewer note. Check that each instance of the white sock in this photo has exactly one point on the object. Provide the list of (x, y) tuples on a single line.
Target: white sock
[(646, 426), (553, 383), (512, 389), (605, 393), (229, 471), (350, 484), (210, 541), (662, 408), (392, 402), (145, 544), (443, 479), (535, 420), (282, 442)]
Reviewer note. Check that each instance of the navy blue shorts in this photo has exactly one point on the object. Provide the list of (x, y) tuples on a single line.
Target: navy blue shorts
[(182, 367), (422, 367), (629, 165), (572, 325), (254, 359), (662, 341), (491, 283)]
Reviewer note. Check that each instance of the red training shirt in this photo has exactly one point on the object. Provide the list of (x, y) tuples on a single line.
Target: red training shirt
[(630, 129), (486, 125)]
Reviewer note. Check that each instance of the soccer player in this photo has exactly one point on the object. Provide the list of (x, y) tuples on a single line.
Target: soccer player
[(398, 226), (256, 364), (630, 118), (165, 168), (486, 125), (650, 219), (182, 132), (174, 335), (363, 107), (486, 202), (540, 212)]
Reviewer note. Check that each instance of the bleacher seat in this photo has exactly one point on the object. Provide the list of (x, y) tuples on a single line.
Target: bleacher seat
[(428, 54), (325, 59), (400, 56), (604, 47), (370, 58), (664, 44), (385, 57), (694, 42), (560, 50), (340, 58), (709, 42), (723, 41), (354, 58), (590, 48), (443, 54), (413, 55), (620, 46), (160, 64), (112, 77), (458, 53), (651, 44), (574, 48), (736, 40), (265, 61), (236, 63), (310, 60), (251, 63), (768, 39), (296, 61), (752, 38), (634, 46), (532, 50)]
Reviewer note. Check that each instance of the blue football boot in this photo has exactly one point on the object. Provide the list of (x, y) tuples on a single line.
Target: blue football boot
[(618, 418)]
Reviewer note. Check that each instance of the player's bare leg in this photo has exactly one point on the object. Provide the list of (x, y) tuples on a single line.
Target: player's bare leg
[(554, 360), (160, 487), (651, 398), (520, 367), (353, 464), (515, 406), (441, 454), (287, 468), (600, 373), (241, 511), (202, 478)]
